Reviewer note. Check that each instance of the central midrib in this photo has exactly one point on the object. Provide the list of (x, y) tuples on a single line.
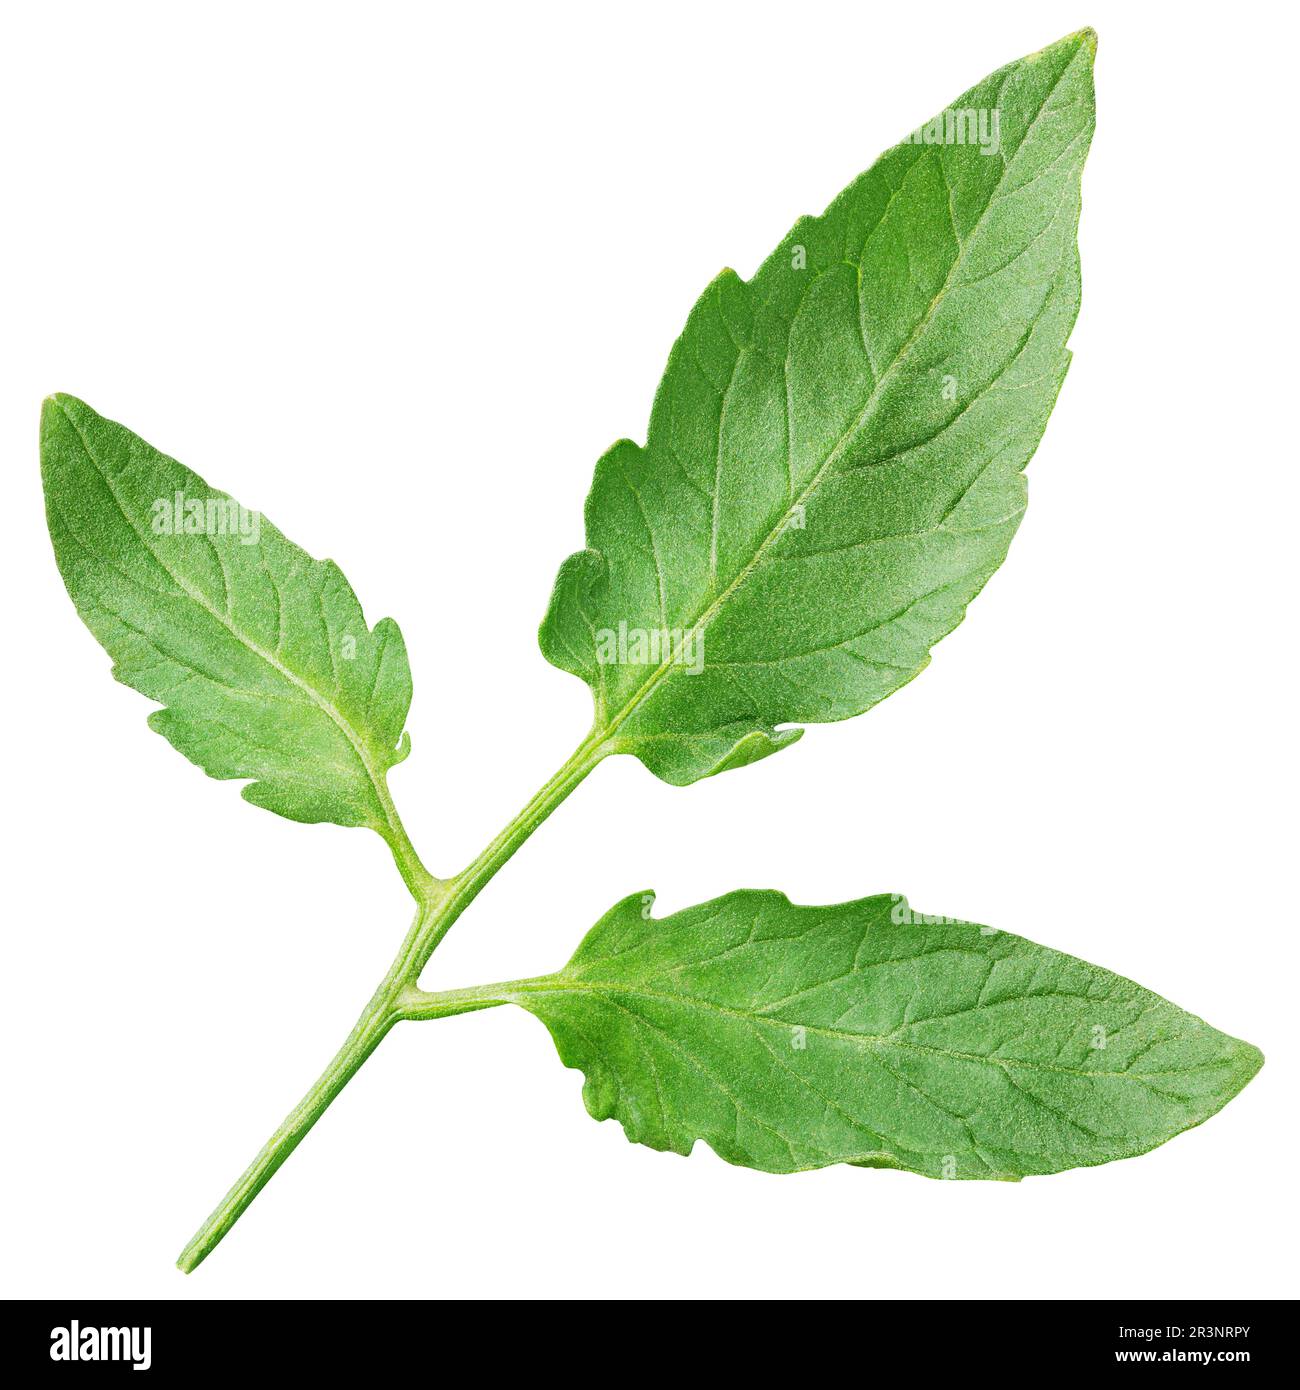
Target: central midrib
[(559, 984), (702, 621)]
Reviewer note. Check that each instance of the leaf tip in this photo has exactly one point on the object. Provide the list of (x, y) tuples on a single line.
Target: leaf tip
[(53, 413), (1081, 40), (63, 418), (60, 405), (1252, 1062)]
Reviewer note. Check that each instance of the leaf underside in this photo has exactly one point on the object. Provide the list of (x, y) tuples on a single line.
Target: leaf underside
[(259, 654), (790, 1038), (833, 466)]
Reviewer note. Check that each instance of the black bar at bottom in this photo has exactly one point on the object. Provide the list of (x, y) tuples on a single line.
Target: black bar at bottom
[(88, 1338)]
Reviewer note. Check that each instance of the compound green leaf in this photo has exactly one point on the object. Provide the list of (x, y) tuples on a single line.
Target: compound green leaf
[(793, 1037), (259, 655), (834, 462)]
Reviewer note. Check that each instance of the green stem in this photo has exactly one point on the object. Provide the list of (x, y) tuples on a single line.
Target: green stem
[(418, 1004), (376, 1019), (466, 886), (440, 902)]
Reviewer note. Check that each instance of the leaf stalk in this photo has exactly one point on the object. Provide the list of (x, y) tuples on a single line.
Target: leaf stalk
[(439, 903)]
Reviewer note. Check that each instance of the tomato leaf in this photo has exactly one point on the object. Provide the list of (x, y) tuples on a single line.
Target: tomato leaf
[(834, 462), (794, 1037), (259, 655)]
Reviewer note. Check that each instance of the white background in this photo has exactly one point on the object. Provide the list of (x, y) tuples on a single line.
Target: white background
[(396, 275)]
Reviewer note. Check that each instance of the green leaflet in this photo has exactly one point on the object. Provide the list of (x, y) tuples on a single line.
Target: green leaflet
[(833, 467), (259, 654), (794, 1037)]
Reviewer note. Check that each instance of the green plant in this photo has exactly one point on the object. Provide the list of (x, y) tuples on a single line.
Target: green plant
[(833, 469)]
